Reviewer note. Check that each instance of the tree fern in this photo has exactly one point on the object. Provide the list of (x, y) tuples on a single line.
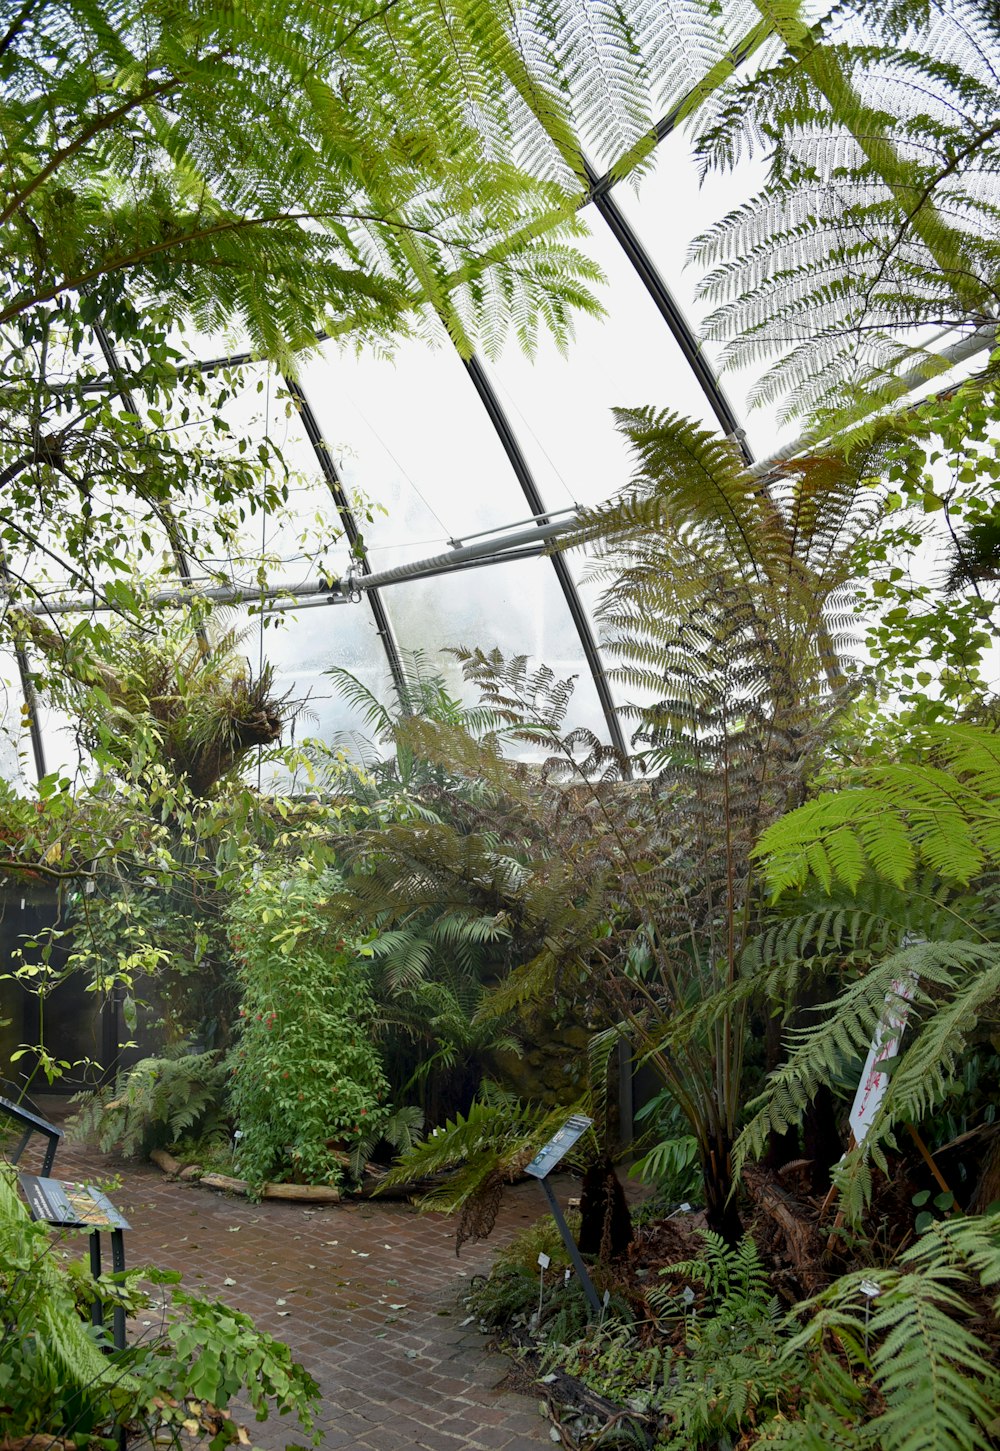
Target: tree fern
[(938, 811), (937, 1379), (954, 985), (879, 214), (485, 1150)]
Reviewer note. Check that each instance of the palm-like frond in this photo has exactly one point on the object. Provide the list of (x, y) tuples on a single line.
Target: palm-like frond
[(880, 214), (936, 1377), (954, 985), (940, 812)]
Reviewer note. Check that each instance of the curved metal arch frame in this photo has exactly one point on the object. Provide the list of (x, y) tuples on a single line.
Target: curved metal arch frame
[(599, 194), (515, 457), (335, 484)]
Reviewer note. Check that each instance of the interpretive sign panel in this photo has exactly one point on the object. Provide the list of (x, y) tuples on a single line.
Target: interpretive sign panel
[(560, 1143), (70, 1206)]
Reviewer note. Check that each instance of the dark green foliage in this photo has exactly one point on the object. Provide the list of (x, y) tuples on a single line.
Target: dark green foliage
[(429, 966), (489, 1147), (937, 1379), (937, 809), (58, 1381), (156, 1103), (306, 1083), (905, 1370), (401, 1129), (906, 838)]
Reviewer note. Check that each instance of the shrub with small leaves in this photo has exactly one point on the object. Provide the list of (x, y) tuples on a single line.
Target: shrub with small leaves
[(306, 1082)]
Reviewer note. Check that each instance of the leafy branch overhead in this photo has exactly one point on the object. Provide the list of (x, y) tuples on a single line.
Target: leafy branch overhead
[(288, 166)]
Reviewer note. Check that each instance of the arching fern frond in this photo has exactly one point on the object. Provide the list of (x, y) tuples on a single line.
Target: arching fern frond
[(941, 811), (879, 217)]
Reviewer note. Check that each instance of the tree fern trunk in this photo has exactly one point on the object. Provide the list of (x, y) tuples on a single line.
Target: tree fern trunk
[(721, 1211)]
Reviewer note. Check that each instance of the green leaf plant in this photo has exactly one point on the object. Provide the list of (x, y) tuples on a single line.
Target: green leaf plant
[(62, 1380), (905, 859), (306, 1082), (637, 898), (875, 231), (260, 177)]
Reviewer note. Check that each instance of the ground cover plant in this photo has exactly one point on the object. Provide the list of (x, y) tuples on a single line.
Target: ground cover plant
[(60, 1386)]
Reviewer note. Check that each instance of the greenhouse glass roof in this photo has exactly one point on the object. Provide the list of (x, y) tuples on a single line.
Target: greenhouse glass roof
[(448, 473)]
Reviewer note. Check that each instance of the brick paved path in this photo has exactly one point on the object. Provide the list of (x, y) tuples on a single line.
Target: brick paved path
[(367, 1295)]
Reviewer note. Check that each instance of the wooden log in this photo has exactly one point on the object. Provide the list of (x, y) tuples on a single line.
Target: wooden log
[(309, 1193), (166, 1161), (314, 1193), (801, 1235), (224, 1181)]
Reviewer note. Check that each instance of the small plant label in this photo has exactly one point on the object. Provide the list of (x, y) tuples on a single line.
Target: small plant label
[(544, 1261), (869, 1289)]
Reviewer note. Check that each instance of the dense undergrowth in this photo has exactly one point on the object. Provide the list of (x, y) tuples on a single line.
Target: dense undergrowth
[(704, 1352)]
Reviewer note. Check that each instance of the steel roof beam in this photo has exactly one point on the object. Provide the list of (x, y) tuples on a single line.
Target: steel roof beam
[(500, 549), (512, 448), (354, 537)]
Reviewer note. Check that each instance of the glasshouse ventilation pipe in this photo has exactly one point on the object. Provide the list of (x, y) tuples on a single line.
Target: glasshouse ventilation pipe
[(980, 341), (497, 550)]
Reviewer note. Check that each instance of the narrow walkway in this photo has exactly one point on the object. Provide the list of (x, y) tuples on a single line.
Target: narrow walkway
[(367, 1296)]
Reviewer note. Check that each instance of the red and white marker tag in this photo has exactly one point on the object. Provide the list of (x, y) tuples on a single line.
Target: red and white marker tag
[(885, 1045)]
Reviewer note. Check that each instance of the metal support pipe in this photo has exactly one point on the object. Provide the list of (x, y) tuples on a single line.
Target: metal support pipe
[(984, 339), (500, 550), (284, 605), (440, 562), (28, 692)]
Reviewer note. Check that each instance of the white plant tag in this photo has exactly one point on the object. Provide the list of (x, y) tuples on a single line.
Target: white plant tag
[(544, 1261)]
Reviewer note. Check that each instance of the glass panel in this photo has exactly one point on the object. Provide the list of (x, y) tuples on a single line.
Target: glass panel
[(59, 741), (671, 191), (561, 407), (515, 607), (302, 646), (412, 435)]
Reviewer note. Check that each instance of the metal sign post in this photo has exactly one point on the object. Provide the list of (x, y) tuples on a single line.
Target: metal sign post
[(541, 1165), (81, 1206)]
